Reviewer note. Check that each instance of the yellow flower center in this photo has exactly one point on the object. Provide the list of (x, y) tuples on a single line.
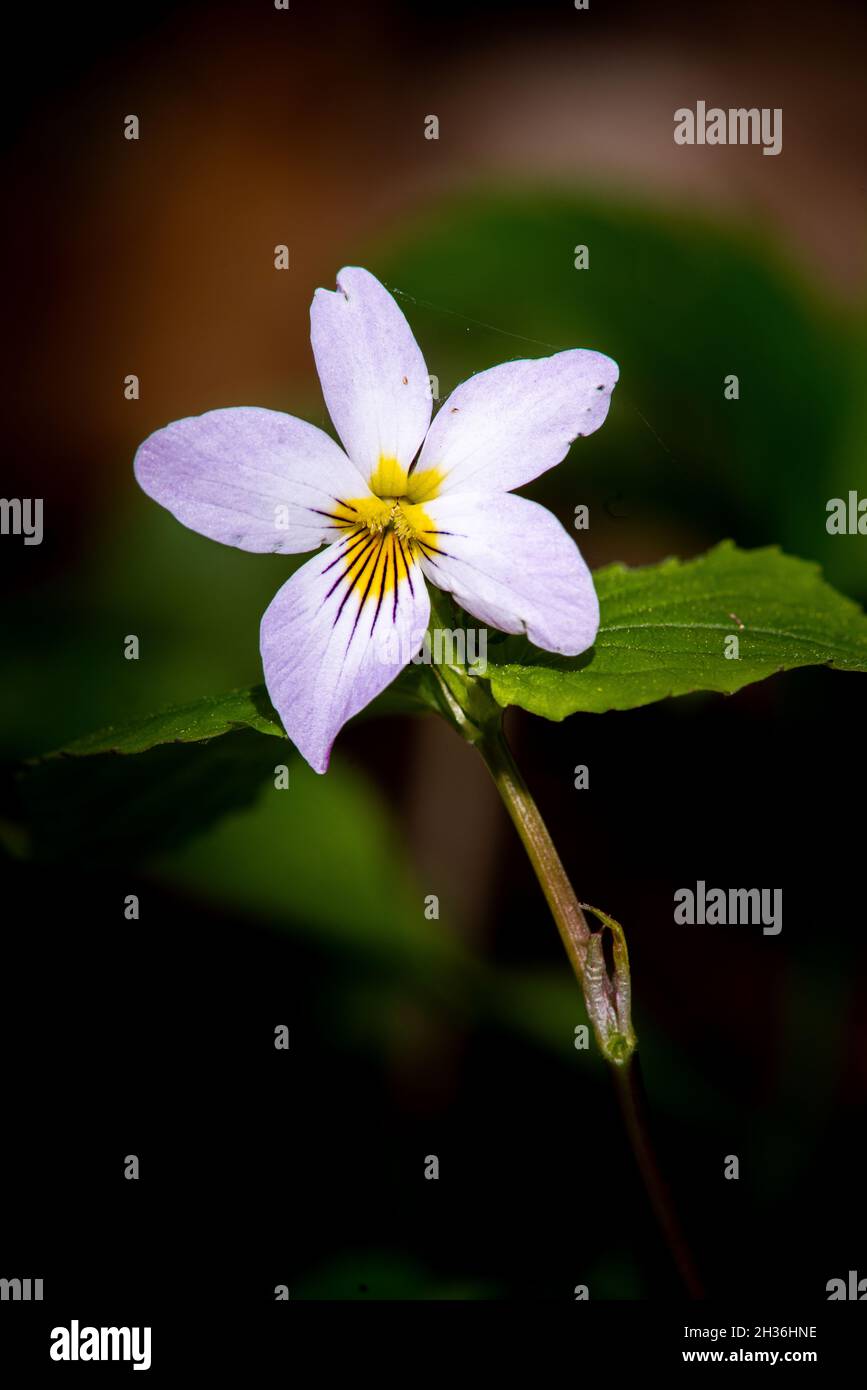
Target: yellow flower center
[(386, 533)]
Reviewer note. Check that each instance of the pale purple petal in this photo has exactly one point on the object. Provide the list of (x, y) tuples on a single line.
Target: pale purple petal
[(511, 564), (248, 477), (502, 428), (373, 375), (337, 633)]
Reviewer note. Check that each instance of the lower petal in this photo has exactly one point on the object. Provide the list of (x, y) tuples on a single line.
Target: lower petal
[(338, 632), (510, 563)]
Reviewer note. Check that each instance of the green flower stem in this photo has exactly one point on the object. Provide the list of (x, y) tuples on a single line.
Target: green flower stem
[(565, 908), (607, 996), (467, 704)]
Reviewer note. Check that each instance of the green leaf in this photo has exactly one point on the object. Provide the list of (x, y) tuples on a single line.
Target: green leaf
[(213, 715), (149, 784), (108, 804), (664, 628), (201, 719)]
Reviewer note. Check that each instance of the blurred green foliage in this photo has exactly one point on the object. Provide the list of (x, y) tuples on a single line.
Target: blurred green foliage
[(680, 303)]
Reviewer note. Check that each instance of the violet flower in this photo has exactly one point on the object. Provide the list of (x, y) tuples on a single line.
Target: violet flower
[(409, 500)]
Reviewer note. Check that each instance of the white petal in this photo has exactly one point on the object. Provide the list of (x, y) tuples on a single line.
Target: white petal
[(253, 478), (504, 427), (510, 563), (373, 375), (337, 633)]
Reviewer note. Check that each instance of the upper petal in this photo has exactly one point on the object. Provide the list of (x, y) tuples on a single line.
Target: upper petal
[(501, 428), (337, 633), (253, 478), (373, 375), (510, 563)]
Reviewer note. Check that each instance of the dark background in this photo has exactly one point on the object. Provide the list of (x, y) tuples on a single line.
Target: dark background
[(408, 1037)]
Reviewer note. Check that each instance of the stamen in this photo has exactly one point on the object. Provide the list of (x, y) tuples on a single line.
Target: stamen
[(387, 533)]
